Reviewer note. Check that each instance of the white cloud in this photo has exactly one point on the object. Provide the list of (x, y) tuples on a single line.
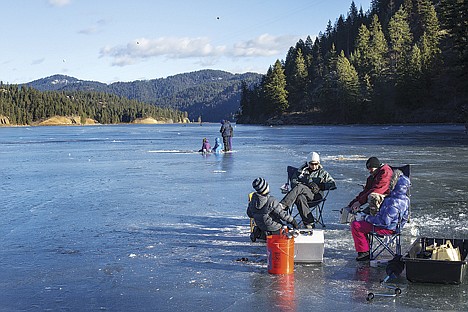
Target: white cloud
[(94, 28), (59, 3), (88, 31), (264, 45), (38, 61), (201, 47)]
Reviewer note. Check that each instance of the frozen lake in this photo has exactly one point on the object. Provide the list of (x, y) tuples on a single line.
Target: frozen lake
[(130, 218)]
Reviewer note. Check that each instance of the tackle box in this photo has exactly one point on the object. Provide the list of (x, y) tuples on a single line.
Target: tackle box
[(309, 246), (435, 271)]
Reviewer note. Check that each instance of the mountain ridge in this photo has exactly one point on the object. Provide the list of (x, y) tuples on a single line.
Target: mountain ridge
[(207, 94)]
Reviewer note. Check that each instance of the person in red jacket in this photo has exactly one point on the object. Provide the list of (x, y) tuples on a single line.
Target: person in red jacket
[(376, 188)]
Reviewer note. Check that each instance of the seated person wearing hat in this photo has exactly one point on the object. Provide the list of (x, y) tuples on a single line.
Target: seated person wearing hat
[(308, 184), (394, 209), (266, 211), (376, 188)]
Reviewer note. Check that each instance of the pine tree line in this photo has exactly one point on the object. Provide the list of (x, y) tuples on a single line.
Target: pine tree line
[(26, 106), (401, 61)]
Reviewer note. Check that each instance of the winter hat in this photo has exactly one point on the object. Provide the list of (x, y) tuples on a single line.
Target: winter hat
[(313, 157), (261, 186), (373, 162), (402, 185)]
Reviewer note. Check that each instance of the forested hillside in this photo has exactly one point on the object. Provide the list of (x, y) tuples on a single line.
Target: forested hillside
[(209, 94), (400, 61), (27, 106)]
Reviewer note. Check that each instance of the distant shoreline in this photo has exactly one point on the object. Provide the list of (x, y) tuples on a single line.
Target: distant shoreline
[(76, 121)]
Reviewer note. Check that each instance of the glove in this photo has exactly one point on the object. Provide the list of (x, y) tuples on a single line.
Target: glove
[(294, 224), (314, 187), (361, 216)]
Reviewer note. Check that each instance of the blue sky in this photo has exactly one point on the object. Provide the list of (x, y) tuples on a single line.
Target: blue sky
[(117, 40)]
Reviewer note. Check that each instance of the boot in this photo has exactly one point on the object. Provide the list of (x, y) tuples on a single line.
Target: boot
[(363, 256)]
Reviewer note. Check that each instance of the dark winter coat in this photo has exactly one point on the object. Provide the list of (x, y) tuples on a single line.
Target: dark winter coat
[(320, 177), (393, 207), (267, 212), (226, 129)]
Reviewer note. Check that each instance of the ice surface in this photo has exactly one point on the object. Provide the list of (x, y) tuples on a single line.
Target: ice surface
[(132, 218)]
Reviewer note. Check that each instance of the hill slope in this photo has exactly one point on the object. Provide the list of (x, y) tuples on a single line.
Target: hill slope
[(211, 94)]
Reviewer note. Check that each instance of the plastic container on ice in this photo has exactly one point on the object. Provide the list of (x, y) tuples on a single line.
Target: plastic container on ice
[(309, 246), (280, 254), (435, 271)]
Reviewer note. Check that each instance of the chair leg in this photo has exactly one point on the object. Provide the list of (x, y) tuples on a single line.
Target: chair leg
[(320, 216), (318, 212), (378, 244), (398, 245), (290, 210)]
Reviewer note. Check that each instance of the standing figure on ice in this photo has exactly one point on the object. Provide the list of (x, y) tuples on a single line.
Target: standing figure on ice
[(227, 133)]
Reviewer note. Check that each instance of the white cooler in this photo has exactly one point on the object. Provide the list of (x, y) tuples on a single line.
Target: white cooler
[(309, 246)]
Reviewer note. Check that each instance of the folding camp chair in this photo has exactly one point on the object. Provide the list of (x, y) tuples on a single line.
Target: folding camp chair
[(391, 243), (315, 206)]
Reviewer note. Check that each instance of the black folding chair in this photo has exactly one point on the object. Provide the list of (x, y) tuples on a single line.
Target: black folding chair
[(315, 206), (406, 169), (378, 243)]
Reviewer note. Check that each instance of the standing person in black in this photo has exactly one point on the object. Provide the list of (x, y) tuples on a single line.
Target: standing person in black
[(226, 131)]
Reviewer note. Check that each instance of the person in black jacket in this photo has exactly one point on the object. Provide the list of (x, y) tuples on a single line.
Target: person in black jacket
[(267, 212), (227, 133)]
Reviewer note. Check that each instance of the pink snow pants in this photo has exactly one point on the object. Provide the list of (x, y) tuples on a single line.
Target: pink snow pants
[(360, 229)]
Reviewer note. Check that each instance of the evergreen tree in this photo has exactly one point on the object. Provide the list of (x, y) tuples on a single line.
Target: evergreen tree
[(316, 66), (378, 49), (389, 60), (455, 24), (429, 41), (412, 91), (245, 104), (315, 76), (341, 36), (361, 55), (276, 96), (400, 42), (297, 84), (352, 26), (329, 90), (27, 106), (384, 9), (289, 70), (454, 74), (308, 47), (348, 89), (289, 63)]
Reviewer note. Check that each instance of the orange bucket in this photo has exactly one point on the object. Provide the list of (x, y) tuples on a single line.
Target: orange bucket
[(280, 254)]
